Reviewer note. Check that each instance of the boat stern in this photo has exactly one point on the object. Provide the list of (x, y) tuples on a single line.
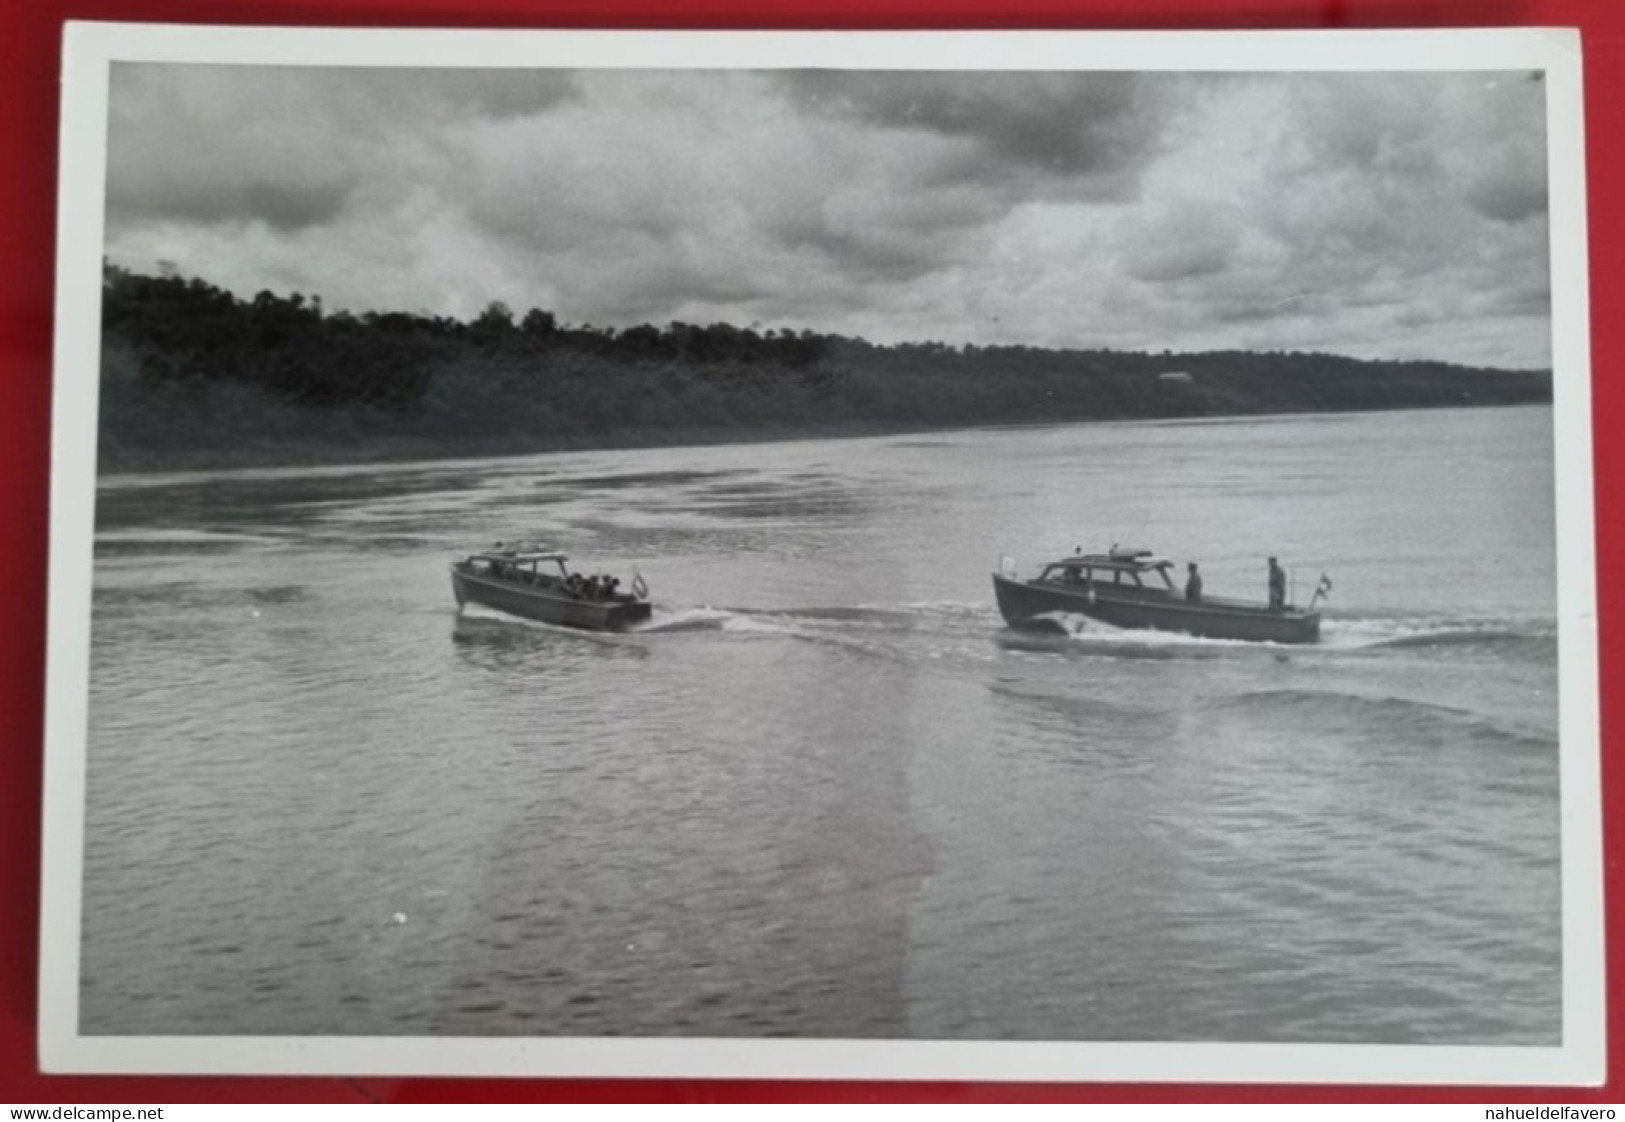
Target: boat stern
[(1311, 628)]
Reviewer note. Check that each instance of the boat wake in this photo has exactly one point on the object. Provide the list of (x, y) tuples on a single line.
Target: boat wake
[(958, 625), (1377, 633), (939, 631), (1071, 633), (823, 620), (667, 621), (678, 621)]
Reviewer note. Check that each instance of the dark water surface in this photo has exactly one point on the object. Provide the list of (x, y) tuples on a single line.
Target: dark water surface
[(827, 792)]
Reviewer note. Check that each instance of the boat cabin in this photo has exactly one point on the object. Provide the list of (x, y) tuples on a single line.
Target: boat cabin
[(536, 583), (1136, 568), (526, 566), (534, 567)]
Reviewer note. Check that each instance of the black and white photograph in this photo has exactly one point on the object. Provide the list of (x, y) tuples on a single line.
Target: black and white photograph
[(1055, 556)]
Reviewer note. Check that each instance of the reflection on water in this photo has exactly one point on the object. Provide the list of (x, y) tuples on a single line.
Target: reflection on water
[(825, 792)]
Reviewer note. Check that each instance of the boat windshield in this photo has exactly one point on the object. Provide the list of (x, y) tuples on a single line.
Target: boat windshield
[(1090, 569)]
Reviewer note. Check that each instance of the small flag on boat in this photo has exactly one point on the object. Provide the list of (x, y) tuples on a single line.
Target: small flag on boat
[(1324, 588)]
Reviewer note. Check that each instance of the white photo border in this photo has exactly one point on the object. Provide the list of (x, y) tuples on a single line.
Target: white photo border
[(89, 51)]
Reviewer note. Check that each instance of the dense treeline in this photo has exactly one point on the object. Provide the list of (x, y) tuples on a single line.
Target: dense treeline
[(194, 375)]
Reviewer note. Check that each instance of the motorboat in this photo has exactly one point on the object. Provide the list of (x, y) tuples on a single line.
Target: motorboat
[(1132, 588), (525, 580)]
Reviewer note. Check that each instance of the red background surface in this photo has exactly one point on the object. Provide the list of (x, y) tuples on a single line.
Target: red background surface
[(30, 38)]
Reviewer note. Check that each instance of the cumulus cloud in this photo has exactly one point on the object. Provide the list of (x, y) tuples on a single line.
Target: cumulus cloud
[(1094, 129), (287, 146), (1179, 238), (1379, 214), (1421, 193)]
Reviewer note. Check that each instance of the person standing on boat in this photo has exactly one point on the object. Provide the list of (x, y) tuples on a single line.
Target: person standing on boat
[(1193, 584), (1277, 585)]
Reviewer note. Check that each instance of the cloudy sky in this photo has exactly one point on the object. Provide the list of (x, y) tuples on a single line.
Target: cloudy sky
[(1377, 215)]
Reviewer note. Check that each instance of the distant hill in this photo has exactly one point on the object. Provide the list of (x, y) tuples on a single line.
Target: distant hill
[(194, 376)]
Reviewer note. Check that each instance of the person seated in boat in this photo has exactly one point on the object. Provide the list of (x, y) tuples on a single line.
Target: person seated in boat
[(611, 584), (1193, 584), (572, 584), (1277, 586)]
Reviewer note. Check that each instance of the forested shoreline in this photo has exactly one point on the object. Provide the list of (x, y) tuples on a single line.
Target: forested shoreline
[(193, 376)]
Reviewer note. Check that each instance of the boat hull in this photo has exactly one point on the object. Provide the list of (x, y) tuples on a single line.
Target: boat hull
[(545, 606), (1025, 604)]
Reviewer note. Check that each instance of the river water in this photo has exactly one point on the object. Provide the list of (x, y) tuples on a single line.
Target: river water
[(827, 792)]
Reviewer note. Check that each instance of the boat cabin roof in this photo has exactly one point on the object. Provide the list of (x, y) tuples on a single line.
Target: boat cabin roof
[(520, 555), (1118, 561)]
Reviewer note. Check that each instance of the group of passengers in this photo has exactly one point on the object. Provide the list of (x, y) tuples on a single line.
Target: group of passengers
[(594, 587)]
